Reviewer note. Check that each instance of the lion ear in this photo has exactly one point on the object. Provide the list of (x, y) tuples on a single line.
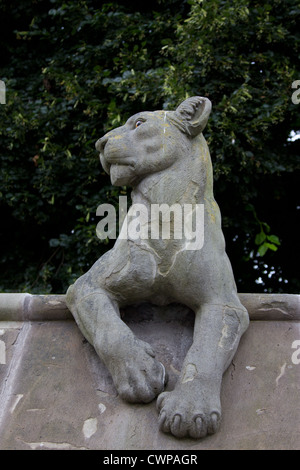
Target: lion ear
[(193, 114)]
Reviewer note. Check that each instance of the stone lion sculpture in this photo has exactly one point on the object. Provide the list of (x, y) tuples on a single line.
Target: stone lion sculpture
[(164, 157)]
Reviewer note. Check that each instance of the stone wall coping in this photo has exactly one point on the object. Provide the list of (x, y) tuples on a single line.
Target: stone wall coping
[(30, 307)]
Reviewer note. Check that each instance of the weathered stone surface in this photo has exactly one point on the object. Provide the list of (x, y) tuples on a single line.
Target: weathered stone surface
[(13, 307), (164, 157), (47, 394), (55, 393), (272, 306), (263, 307), (21, 307)]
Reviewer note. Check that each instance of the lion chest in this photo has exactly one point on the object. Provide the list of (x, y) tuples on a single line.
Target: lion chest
[(138, 266)]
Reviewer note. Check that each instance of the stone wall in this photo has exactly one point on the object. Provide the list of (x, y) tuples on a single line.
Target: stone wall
[(56, 394)]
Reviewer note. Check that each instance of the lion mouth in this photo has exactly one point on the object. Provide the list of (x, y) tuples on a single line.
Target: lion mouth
[(105, 165), (109, 164), (121, 174)]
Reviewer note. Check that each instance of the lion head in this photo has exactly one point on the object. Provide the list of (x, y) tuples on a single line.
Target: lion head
[(150, 142)]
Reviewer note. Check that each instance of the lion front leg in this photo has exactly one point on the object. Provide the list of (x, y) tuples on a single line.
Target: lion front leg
[(193, 408), (137, 375)]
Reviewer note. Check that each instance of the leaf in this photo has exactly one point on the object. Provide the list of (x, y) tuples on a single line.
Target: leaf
[(267, 227), (260, 238), (273, 239), (263, 249), (54, 242), (272, 247), (51, 201)]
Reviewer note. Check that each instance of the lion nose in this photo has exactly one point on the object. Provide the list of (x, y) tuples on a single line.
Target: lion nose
[(100, 144)]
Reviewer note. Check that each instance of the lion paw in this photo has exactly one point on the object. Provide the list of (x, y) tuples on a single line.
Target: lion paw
[(184, 416), (138, 376)]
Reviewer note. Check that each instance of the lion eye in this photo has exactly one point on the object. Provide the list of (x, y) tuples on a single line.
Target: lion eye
[(138, 123)]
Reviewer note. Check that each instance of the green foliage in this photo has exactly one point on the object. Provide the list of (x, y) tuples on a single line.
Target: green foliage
[(262, 239), (74, 70)]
